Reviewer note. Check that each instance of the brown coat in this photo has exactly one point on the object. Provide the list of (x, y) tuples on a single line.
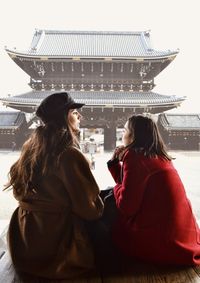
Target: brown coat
[(47, 235)]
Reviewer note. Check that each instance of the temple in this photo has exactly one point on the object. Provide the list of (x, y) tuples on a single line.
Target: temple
[(113, 73), (13, 129), (180, 131)]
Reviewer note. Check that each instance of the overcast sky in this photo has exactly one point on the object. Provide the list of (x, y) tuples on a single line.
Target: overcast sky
[(173, 24)]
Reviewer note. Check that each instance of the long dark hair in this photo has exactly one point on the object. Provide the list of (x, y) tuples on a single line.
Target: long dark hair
[(146, 137), (40, 154)]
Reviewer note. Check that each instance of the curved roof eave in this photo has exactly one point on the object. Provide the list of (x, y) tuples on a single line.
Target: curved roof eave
[(15, 53), (140, 105)]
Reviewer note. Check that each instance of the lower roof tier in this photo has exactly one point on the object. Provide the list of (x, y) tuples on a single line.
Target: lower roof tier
[(140, 101)]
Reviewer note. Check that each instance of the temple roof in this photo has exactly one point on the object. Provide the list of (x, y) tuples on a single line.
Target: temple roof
[(92, 44), (180, 121), (99, 98), (11, 119)]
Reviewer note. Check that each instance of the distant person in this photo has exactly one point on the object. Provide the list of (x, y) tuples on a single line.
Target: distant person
[(14, 146), (155, 222), (92, 162), (57, 196)]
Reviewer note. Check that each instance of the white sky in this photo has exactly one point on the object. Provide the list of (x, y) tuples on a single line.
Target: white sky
[(173, 24)]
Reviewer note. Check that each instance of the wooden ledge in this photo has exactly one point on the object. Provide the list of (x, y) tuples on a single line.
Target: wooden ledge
[(134, 273)]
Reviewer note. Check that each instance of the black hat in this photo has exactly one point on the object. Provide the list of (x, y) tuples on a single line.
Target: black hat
[(55, 105)]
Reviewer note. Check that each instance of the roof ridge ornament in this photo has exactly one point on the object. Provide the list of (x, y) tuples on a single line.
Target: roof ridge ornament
[(38, 43)]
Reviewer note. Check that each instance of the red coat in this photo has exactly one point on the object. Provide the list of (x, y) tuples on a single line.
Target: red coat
[(155, 221)]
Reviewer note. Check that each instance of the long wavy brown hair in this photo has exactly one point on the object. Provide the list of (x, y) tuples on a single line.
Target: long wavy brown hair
[(40, 154), (146, 137)]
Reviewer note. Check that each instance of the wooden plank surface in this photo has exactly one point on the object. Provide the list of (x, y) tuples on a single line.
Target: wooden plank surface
[(138, 273)]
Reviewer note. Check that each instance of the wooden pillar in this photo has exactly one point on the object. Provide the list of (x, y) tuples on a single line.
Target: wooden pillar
[(110, 137)]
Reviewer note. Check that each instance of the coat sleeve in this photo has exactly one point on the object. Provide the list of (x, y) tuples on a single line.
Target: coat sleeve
[(75, 173), (129, 194), (114, 166)]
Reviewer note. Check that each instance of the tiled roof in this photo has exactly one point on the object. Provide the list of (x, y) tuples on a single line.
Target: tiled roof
[(181, 121), (11, 119), (93, 44), (100, 98)]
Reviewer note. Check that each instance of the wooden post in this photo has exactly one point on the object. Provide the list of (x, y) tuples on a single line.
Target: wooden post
[(110, 137)]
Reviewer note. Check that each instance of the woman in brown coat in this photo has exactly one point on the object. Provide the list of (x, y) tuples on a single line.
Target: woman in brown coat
[(57, 196)]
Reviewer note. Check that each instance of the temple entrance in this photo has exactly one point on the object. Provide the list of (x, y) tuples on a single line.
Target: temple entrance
[(98, 139), (92, 140)]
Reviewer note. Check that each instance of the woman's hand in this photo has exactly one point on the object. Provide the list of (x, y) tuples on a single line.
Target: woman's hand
[(118, 152)]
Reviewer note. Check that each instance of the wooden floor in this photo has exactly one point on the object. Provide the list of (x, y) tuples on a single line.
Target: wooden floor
[(134, 273)]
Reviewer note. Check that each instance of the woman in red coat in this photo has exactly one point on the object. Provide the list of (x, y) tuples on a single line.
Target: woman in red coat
[(155, 222)]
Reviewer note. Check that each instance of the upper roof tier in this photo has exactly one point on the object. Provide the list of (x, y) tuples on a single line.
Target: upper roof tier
[(92, 44)]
